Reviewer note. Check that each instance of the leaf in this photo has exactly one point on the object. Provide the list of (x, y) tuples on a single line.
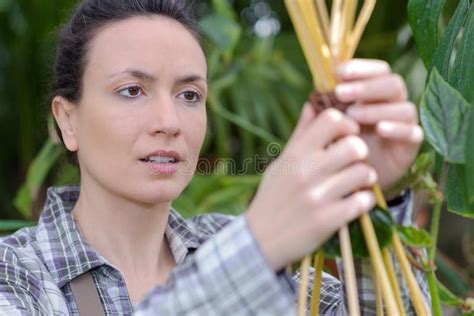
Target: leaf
[(442, 56), (224, 32), (462, 76), (447, 297), (455, 192), (444, 116), (12, 225), (413, 236), (423, 16), (35, 177), (469, 175), (383, 224), (223, 7)]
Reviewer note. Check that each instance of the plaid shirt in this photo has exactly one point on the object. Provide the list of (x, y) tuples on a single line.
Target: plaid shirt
[(220, 270)]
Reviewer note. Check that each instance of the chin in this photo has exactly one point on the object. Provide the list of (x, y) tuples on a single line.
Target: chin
[(156, 195)]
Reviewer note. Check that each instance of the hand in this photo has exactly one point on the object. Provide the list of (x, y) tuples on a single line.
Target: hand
[(307, 193), (389, 122)]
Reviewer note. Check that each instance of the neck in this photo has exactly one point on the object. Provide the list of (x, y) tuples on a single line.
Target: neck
[(128, 235)]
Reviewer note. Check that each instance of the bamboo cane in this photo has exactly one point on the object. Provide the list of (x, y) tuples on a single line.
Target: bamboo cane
[(349, 271), (321, 68), (304, 282), (419, 303), (387, 259), (359, 27), (316, 293), (313, 22)]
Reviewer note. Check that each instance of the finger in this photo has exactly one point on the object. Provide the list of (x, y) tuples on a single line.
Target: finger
[(344, 182), (306, 117), (357, 69), (374, 113), (389, 88), (400, 131), (330, 125), (342, 153), (348, 209)]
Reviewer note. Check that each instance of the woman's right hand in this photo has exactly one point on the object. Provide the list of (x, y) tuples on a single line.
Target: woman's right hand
[(306, 194)]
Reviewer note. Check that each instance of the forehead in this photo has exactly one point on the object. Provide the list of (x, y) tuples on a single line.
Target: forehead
[(155, 43)]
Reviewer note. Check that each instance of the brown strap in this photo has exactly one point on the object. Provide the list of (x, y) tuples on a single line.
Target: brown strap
[(86, 295)]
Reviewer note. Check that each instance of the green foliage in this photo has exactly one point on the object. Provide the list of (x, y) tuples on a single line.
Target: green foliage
[(383, 225), (424, 16), (413, 236), (37, 172), (12, 225), (444, 116), (443, 53)]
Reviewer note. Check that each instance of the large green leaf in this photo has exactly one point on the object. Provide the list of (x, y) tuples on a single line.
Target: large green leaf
[(442, 56), (469, 175), (444, 116), (462, 76), (423, 16), (455, 191)]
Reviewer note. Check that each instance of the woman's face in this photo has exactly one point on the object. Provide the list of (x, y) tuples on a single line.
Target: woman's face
[(143, 105)]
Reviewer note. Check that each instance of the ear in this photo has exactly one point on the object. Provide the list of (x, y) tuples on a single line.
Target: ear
[(65, 114)]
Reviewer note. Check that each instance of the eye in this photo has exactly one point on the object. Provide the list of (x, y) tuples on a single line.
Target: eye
[(131, 91), (191, 96)]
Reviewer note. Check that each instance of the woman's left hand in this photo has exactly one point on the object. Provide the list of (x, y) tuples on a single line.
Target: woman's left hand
[(389, 122)]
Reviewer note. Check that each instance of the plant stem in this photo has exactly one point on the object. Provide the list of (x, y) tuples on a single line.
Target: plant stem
[(437, 196)]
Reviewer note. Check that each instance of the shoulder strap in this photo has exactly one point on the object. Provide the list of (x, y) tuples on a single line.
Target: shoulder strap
[(86, 295)]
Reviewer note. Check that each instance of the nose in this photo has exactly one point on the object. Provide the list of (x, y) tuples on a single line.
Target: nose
[(165, 118)]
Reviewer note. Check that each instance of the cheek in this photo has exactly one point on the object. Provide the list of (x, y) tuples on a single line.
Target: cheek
[(105, 134), (196, 132)]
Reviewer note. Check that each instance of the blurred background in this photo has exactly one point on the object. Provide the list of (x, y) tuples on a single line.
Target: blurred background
[(258, 83)]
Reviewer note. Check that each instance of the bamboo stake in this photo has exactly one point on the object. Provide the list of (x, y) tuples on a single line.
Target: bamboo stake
[(349, 271), (308, 11), (348, 16), (322, 11), (335, 28), (304, 281), (304, 39), (419, 303), (378, 292), (379, 268), (387, 259), (316, 293), (360, 25)]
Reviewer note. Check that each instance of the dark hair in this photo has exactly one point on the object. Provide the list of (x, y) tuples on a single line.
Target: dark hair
[(88, 18)]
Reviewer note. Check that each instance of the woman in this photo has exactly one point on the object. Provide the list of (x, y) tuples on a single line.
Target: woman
[(129, 101)]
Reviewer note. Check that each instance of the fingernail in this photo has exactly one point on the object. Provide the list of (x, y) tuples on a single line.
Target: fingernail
[(367, 199), (347, 91), (372, 176), (385, 127), (354, 112), (343, 70)]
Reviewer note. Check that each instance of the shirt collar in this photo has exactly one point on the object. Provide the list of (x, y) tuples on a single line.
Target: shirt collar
[(73, 255)]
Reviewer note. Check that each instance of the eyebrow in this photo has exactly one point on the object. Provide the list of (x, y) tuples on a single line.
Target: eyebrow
[(135, 73), (149, 77)]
